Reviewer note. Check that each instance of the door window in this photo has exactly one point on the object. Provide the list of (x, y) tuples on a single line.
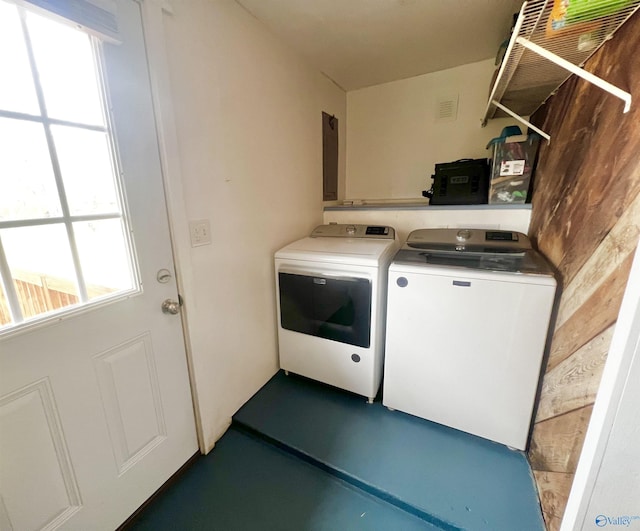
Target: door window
[(64, 236)]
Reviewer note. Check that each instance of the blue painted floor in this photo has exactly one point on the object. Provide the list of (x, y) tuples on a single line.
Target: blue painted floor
[(304, 456), (245, 484)]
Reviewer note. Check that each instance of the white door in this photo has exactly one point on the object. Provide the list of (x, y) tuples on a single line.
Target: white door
[(95, 404)]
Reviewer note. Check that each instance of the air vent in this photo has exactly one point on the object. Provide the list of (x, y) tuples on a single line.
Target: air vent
[(447, 108)]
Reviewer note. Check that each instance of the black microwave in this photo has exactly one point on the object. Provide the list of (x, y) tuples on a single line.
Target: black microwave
[(463, 182)]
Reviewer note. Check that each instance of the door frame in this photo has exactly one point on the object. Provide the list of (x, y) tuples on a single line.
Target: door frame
[(625, 346), (153, 12)]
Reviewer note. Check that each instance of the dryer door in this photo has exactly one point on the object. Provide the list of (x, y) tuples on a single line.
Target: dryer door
[(327, 306)]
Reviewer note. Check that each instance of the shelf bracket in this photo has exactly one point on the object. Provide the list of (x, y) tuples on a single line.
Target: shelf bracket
[(588, 76), (521, 120), (501, 71)]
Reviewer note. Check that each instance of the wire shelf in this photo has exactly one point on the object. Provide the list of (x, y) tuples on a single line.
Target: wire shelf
[(526, 79)]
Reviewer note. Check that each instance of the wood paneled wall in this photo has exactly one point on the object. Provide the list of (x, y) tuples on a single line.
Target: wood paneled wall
[(585, 219)]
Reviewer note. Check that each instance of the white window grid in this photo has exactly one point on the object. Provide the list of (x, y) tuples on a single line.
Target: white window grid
[(67, 218)]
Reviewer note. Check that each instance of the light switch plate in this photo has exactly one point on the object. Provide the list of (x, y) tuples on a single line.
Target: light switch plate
[(200, 230)]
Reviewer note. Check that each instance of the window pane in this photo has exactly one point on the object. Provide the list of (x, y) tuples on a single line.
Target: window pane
[(104, 256), (5, 313), (27, 185), (64, 59), (85, 165), (40, 256), (17, 92), (41, 267)]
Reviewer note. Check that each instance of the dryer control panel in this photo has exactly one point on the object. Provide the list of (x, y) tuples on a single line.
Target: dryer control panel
[(341, 230)]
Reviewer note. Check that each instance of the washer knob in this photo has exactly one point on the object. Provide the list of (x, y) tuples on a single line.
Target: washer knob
[(351, 230), (463, 235)]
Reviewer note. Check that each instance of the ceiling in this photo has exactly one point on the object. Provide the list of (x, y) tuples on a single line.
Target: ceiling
[(359, 43)]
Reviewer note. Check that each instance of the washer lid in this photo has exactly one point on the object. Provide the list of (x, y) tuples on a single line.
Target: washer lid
[(528, 262), (469, 241)]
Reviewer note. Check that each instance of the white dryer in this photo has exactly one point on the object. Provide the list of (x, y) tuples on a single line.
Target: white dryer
[(467, 321), (331, 297)]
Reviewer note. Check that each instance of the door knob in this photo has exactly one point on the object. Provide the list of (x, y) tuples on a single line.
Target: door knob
[(171, 306)]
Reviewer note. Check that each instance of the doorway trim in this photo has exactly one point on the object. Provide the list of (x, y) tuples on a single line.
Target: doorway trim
[(153, 12), (625, 346)]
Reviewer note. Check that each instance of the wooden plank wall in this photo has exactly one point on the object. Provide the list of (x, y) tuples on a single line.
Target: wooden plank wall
[(5, 315), (585, 219)]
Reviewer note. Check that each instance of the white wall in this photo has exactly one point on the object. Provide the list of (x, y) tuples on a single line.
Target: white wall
[(394, 140), (248, 123)]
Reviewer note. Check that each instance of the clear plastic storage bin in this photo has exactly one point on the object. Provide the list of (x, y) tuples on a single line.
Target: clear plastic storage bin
[(513, 162)]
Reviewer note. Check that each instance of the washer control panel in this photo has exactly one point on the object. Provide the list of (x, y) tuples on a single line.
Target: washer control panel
[(341, 230), (480, 241)]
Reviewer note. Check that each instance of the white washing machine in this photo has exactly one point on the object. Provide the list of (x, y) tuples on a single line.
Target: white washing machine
[(331, 296), (467, 320)]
